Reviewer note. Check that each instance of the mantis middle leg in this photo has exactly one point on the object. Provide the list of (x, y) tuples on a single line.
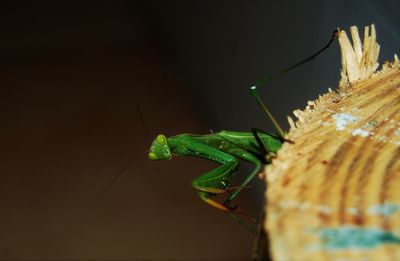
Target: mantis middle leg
[(251, 158)]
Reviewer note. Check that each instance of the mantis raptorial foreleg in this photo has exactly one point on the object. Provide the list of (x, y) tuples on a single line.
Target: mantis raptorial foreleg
[(219, 179), (216, 181)]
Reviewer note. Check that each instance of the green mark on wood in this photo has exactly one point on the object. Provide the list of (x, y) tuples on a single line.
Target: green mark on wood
[(355, 237)]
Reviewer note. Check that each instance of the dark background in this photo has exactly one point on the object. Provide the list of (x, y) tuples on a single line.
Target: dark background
[(70, 75)]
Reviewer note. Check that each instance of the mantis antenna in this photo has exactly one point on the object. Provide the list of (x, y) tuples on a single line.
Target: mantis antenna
[(253, 89), (116, 177), (142, 119), (133, 160)]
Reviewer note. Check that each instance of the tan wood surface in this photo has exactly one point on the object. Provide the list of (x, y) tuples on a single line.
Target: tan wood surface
[(334, 194)]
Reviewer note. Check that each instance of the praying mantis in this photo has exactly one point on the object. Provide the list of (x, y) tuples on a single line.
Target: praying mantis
[(226, 148)]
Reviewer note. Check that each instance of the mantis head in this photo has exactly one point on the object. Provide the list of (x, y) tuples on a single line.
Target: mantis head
[(159, 150)]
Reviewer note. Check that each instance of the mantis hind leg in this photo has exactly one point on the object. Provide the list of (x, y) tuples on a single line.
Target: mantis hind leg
[(269, 78)]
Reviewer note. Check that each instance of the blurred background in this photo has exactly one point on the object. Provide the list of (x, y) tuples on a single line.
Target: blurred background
[(71, 72)]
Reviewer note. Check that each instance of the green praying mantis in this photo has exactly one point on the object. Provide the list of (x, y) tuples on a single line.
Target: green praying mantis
[(226, 148)]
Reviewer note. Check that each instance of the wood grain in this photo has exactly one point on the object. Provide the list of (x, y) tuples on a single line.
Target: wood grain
[(334, 194)]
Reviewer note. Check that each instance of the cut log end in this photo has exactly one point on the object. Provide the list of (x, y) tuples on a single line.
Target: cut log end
[(334, 193)]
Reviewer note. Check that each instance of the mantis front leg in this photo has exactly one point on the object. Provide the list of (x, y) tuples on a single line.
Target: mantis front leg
[(225, 148), (215, 182)]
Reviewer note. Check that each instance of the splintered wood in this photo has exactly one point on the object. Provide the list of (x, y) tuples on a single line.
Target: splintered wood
[(334, 194)]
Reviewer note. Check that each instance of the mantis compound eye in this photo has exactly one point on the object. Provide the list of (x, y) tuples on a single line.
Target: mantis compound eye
[(161, 139), (159, 150), (153, 156)]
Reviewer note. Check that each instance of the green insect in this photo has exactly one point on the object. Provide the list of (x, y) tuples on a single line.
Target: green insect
[(226, 148)]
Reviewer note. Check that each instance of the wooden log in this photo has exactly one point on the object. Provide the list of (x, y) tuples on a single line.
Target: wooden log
[(334, 194)]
